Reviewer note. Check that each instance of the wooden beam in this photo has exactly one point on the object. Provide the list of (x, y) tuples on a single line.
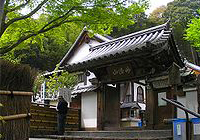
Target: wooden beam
[(3, 92), (14, 117)]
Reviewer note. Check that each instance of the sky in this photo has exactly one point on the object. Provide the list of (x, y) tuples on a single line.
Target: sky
[(157, 3)]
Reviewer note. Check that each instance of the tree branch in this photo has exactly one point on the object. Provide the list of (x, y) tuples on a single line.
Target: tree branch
[(26, 16), (6, 49), (9, 48), (18, 7), (56, 19)]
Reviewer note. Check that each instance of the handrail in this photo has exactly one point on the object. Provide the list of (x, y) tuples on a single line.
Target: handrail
[(186, 110), (181, 107)]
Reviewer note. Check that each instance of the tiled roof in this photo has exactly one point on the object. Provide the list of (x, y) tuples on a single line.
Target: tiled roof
[(129, 43), (80, 38), (130, 105)]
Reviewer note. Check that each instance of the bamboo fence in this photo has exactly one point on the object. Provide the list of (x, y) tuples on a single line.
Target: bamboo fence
[(44, 120), (15, 112)]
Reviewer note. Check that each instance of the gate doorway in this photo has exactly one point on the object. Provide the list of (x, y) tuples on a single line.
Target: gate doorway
[(112, 108), (142, 55)]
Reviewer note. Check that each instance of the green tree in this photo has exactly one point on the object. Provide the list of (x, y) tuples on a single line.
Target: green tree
[(141, 22), (55, 82), (18, 29), (157, 15), (180, 12), (55, 44), (193, 32)]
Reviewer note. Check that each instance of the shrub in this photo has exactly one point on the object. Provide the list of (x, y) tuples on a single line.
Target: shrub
[(16, 77)]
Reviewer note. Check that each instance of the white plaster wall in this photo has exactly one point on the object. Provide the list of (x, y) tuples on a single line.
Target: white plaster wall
[(82, 52), (90, 77), (189, 101), (89, 110)]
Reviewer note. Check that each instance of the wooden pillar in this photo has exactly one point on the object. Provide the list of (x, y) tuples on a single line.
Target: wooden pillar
[(100, 108), (150, 107), (173, 93)]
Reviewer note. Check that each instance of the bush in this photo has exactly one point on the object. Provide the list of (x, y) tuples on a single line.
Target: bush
[(16, 77)]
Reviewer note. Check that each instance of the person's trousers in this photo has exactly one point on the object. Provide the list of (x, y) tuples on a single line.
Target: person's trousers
[(61, 123)]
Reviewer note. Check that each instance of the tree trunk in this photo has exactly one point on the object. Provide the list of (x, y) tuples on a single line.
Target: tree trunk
[(1, 11)]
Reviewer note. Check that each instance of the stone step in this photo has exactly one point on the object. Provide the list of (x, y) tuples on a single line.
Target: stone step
[(114, 135), (100, 138), (119, 134)]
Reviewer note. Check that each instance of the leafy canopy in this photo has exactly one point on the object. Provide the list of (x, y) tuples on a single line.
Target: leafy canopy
[(180, 12), (46, 54), (19, 29), (193, 32)]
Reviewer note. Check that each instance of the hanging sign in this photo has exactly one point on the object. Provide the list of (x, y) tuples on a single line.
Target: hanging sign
[(121, 71)]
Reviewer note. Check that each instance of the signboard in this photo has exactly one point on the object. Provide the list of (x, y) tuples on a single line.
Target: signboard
[(178, 128), (160, 101), (196, 128), (66, 93), (121, 71)]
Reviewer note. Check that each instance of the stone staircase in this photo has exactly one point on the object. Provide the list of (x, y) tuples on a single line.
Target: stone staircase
[(114, 135)]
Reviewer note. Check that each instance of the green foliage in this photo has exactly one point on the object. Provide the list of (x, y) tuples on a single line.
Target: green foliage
[(157, 15), (55, 82), (180, 12), (37, 83), (193, 32), (55, 45), (19, 30), (141, 23)]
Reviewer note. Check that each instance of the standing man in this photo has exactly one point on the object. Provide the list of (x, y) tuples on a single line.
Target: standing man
[(62, 108)]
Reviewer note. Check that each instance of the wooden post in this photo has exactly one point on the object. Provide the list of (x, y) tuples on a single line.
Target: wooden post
[(198, 93), (100, 101), (150, 107)]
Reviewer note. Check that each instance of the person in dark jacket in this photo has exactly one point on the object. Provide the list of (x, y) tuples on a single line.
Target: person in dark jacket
[(62, 108)]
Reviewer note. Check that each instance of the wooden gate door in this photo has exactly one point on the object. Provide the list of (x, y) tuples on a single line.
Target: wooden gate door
[(112, 108)]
